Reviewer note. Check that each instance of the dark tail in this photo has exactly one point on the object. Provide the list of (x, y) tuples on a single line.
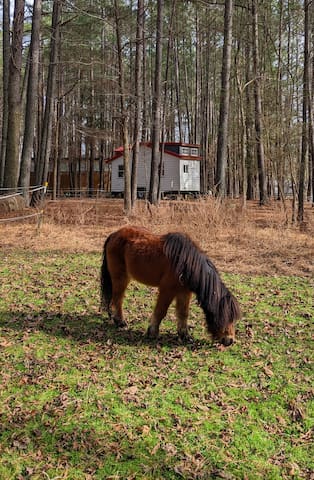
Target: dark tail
[(105, 281)]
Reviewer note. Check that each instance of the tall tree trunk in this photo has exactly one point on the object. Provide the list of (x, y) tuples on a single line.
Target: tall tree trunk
[(58, 137), (205, 116), (198, 99), (91, 125), (250, 165), (138, 97), (177, 89), (145, 116), (279, 161), (243, 134), (156, 110), (11, 171), (91, 164), (42, 165), (311, 105), (222, 146), (6, 62), (304, 140), (31, 102), (165, 94), (258, 110), (124, 115)]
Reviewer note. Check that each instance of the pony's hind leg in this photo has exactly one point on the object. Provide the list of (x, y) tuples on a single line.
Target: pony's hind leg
[(163, 301), (182, 310), (119, 286)]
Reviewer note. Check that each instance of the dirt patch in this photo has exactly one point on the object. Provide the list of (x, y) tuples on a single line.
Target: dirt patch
[(254, 240)]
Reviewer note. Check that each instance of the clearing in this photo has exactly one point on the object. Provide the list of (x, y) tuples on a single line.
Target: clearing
[(80, 399)]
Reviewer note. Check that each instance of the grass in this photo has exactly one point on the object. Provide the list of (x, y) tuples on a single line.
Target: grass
[(82, 400)]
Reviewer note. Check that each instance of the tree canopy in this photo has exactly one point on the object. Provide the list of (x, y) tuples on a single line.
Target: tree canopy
[(96, 86)]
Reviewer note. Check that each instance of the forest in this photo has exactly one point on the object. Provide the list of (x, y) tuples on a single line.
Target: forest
[(80, 79)]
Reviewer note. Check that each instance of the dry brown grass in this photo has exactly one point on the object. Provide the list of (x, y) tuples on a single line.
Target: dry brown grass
[(255, 240)]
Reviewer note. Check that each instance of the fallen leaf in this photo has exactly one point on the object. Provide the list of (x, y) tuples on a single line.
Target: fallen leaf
[(155, 449), (268, 371), (145, 430), (131, 390)]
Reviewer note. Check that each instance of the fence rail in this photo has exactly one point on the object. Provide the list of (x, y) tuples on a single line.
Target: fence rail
[(4, 195)]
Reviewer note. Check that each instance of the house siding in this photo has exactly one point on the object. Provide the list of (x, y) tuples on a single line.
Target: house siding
[(189, 176), (170, 181), (117, 183), (173, 179)]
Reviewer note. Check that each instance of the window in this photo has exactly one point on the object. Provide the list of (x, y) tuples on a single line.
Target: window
[(64, 167), (81, 165), (185, 169), (121, 171), (96, 165), (185, 151)]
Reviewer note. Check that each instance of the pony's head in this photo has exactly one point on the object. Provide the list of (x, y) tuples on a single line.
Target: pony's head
[(197, 272), (221, 322)]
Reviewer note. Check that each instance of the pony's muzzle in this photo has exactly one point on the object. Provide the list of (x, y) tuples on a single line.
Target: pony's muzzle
[(226, 341)]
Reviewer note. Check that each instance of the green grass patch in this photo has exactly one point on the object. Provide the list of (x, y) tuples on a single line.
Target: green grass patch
[(80, 399)]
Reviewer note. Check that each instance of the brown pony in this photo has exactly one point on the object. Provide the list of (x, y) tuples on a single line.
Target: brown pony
[(175, 265)]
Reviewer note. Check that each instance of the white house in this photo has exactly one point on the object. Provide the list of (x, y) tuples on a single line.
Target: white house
[(180, 171)]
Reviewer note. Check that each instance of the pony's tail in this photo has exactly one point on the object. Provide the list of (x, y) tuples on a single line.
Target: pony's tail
[(105, 281)]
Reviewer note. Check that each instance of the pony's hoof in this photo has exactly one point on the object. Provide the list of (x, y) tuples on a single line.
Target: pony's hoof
[(151, 333), (120, 323), (185, 338)]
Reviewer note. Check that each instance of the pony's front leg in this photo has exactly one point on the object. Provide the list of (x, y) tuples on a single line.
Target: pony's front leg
[(182, 310), (163, 301)]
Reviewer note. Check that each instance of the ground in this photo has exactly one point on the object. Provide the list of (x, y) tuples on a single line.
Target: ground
[(83, 400)]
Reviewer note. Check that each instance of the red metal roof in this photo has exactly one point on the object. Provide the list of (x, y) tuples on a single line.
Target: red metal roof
[(118, 152)]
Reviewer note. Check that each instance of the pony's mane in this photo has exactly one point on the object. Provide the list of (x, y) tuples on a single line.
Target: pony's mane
[(199, 274)]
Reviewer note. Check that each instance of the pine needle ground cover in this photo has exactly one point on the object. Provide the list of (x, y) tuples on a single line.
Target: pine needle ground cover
[(80, 399)]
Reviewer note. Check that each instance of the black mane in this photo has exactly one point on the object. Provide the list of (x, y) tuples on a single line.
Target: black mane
[(196, 271)]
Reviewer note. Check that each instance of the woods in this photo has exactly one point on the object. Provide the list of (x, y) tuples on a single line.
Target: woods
[(80, 80)]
